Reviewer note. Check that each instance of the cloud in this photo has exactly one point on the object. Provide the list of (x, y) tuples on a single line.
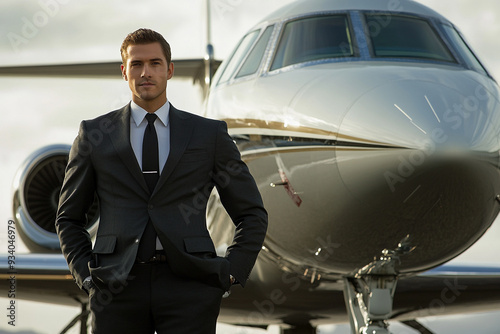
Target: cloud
[(49, 31)]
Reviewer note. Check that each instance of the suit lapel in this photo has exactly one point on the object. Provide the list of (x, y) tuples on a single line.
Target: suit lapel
[(120, 138), (180, 133)]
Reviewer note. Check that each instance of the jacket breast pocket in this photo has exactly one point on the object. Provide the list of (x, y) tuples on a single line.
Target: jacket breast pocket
[(194, 155)]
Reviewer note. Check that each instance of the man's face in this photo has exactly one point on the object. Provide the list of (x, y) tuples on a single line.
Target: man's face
[(147, 72)]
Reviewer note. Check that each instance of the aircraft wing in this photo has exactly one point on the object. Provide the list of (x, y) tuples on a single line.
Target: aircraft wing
[(445, 290), (448, 289), (184, 68), (39, 277), (441, 291)]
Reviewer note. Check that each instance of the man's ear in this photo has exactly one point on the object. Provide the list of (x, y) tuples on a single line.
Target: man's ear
[(170, 72), (124, 72)]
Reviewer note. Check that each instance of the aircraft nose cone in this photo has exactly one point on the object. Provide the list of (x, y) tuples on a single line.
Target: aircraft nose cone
[(426, 115), (421, 159)]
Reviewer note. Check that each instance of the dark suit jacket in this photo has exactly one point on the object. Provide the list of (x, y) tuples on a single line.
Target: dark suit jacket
[(202, 155)]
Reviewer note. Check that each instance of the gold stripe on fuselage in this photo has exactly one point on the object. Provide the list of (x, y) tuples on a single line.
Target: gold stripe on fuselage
[(242, 123)]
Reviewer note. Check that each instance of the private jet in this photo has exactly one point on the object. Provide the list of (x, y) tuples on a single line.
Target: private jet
[(373, 132)]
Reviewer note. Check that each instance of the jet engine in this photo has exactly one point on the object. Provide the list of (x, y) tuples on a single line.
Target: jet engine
[(36, 195)]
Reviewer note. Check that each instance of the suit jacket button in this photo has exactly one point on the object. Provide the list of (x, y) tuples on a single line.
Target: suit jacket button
[(150, 206)]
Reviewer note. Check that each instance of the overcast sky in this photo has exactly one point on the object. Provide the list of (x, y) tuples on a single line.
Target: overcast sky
[(38, 112)]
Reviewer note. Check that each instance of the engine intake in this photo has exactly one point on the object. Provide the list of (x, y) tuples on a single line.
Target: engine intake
[(36, 196)]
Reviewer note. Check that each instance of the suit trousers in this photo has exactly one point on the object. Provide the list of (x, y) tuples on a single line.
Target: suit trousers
[(154, 299)]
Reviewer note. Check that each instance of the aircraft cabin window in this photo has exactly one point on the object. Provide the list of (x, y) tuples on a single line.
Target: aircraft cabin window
[(251, 64), (405, 37), (240, 52), (313, 38), (464, 49)]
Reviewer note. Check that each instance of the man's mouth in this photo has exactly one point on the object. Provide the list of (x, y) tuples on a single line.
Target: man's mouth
[(146, 84)]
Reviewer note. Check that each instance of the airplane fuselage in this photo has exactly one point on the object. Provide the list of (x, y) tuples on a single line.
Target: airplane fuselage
[(380, 146)]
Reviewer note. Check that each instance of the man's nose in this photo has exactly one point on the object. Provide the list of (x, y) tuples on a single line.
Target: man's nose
[(145, 71)]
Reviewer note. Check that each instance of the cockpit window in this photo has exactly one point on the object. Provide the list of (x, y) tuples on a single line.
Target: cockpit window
[(406, 37), (463, 49), (314, 38), (251, 64), (238, 55)]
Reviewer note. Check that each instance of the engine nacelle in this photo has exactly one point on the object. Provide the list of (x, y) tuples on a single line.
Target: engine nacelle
[(36, 196)]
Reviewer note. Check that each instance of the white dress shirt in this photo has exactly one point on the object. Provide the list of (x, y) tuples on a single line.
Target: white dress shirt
[(138, 123)]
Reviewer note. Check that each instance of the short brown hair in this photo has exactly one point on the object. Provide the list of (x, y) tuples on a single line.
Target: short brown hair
[(145, 36)]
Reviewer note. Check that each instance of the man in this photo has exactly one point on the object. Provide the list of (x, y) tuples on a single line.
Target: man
[(153, 266)]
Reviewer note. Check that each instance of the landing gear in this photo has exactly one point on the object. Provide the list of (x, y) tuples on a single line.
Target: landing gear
[(369, 294), (369, 303), (83, 318)]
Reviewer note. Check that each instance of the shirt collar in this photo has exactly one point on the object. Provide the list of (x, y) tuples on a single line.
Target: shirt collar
[(138, 113)]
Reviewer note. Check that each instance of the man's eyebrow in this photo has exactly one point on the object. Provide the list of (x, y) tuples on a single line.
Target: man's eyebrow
[(141, 60)]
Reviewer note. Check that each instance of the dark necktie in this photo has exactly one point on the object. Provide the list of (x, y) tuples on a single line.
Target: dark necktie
[(150, 160), (151, 172)]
